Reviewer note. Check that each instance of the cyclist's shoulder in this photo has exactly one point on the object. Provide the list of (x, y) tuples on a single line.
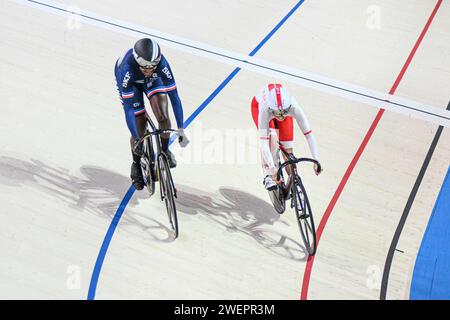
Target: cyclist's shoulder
[(163, 60), (126, 63), (129, 73), (295, 105), (262, 95), (164, 71)]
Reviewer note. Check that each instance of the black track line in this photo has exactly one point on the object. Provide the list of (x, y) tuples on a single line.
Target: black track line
[(401, 224)]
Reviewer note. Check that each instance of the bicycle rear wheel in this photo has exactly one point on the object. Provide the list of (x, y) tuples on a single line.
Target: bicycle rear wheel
[(304, 215), (276, 196), (147, 165), (168, 191)]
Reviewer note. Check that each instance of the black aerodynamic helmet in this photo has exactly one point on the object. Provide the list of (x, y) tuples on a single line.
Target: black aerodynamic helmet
[(147, 53)]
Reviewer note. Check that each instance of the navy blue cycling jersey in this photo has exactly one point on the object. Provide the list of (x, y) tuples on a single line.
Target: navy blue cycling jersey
[(132, 84)]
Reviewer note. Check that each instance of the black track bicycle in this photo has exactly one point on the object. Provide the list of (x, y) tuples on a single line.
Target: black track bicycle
[(155, 167), (294, 190)]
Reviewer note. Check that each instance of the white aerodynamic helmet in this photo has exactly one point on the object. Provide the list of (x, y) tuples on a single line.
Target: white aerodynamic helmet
[(279, 100)]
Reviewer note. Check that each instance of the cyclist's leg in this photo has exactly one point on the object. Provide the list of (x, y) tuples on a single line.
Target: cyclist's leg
[(273, 143), (139, 112), (138, 109), (140, 124), (286, 136), (159, 103), (267, 174), (273, 140)]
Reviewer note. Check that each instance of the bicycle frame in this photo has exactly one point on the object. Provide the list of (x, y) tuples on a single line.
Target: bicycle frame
[(155, 132), (292, 161), (158, 153), (298, 198), (159, 169)]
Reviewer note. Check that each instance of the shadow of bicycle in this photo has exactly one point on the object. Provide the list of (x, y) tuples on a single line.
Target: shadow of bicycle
[(99, 191), (239, 211), (96, 191)]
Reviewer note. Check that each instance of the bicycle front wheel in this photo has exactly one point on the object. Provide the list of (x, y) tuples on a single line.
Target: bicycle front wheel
[(168, 191), (304, 215)]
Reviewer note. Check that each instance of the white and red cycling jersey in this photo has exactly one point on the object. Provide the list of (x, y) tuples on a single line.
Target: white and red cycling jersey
[(266, 122)]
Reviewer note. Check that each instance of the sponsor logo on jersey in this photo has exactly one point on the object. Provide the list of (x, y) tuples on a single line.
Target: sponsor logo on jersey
[(126, 79), (167, 73)]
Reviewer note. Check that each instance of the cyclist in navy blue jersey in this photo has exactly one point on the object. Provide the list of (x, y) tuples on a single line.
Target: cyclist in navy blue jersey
[(144, 70)]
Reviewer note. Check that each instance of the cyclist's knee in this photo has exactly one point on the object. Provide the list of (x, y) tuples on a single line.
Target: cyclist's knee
[(165, 121), (159, 101)]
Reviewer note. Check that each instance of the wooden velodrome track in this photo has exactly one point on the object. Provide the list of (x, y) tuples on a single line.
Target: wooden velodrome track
[(64, 152)]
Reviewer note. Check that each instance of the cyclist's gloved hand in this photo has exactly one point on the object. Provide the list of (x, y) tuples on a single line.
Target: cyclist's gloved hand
[(318, 169), (182, 138), (138, 148)]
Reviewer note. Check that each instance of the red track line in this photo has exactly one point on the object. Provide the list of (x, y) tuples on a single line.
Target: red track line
[(348, 172)]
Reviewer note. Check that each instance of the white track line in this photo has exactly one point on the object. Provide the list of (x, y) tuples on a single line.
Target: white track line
[(307, 79)]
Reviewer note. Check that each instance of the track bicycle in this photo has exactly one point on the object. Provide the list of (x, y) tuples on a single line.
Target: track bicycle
[(295, 191), (155, 167)]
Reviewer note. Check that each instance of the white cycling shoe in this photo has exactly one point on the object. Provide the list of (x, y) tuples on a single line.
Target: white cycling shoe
[(269, 184)]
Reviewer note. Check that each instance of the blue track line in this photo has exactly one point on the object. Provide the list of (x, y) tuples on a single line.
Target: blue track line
[(106, 241), (130, 192)]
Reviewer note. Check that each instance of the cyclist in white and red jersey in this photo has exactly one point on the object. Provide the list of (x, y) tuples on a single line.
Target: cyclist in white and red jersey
[(273, 110)]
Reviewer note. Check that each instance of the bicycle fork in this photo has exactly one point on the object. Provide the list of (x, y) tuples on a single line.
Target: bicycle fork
[(162, 188), (298, 194), (168, 182)]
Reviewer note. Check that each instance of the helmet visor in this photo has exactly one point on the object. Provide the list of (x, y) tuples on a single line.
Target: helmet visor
[(148, 64)]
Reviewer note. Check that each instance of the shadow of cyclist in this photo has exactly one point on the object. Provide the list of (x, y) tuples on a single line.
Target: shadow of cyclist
[(96, 190), (239, 211), (99, 191)]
